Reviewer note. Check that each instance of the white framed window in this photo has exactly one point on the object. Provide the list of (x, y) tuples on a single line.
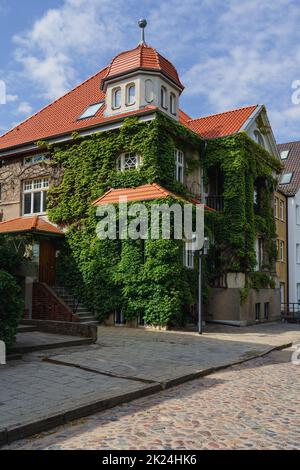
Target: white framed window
[(284, 154), (298, 292), (119, 318), (259, 138), (286, 178), (91, 110), (281, 253), (172, 103), (35, 196), (276, 207), (116, 98), (188, 256), (149, 92), (128, 161), (130, 94), (163, 97), (298, 253), (297, 215), (179, 165), (35, 159), (281, 210)]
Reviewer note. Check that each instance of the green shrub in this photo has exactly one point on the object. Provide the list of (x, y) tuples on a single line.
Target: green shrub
[(11, 307)]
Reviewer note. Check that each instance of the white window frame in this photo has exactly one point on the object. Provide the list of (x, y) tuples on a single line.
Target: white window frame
[(289, 178), (35, 159), (281, 254), (284, 154), (88, 113), (163, 97), (149, 90), (124, 165), (122, 319), (128, 87), (34, 186), (114, 93), (281, 210), (298, 253), (276, 208), (297, 214), (173, 103), (179, 165), (259, 139), (188, 256), (298, 291)]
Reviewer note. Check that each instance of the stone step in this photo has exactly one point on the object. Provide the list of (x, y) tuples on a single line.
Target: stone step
[(26, 328)]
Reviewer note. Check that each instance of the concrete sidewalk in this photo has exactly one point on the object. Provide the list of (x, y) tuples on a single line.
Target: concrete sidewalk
[(49, 388)]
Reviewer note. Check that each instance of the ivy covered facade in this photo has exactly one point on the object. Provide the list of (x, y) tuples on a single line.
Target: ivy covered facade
[(123, 128)]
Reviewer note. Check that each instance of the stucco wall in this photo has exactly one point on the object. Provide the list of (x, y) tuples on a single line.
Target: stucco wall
[(225, 306), (293, 239)]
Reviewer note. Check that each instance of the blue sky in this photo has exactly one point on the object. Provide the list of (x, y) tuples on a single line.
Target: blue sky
[(228, 54)]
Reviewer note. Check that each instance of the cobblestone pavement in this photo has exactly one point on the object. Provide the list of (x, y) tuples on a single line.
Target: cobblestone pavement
[(252, 406)]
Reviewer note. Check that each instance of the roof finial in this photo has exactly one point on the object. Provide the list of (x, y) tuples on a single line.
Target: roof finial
[(142, 24)]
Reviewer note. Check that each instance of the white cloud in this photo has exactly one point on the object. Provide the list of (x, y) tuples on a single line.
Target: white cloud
[(24, 108), (11, 98), (78, 30)]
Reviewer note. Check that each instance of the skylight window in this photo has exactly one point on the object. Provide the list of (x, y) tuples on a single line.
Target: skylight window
[(284, 154), (91, 110), (286, 178)]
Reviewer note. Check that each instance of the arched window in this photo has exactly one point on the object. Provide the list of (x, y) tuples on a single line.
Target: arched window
[(149, 94), (163, 97), (130, 94), (172, 103), (116, 98), (128, 161), (259, 138)]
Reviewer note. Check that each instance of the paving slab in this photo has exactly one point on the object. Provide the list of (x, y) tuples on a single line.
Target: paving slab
[(50, 387)]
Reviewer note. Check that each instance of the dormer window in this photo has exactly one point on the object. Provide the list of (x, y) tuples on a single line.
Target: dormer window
[(179, 165), (128, 161), (163, 97), (116, 98), (130, 94), (172, 103)]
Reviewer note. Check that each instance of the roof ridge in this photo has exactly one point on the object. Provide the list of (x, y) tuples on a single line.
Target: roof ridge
[(35, 222), (223, 112), (53, 102)]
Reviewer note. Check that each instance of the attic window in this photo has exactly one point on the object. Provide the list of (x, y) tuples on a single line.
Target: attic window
[(284, 154), (91, 110), (286, 178)]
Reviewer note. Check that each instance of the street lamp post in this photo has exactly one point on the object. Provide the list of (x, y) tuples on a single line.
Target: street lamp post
[(201, 252)]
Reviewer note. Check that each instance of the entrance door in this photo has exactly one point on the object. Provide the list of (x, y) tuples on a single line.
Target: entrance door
[(47, 262)]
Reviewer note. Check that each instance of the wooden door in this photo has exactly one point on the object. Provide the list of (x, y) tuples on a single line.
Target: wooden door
[(47, 262)]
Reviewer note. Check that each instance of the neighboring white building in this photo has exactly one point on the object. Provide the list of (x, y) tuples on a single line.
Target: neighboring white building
[(289, 184)]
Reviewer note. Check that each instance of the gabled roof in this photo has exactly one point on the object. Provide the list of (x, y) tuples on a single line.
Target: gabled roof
[(222, 124), (33, 224), (145, 192), (141, 57), (291, 165)]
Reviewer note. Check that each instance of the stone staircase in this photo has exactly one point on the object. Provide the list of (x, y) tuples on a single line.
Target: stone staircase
[(78, 309)]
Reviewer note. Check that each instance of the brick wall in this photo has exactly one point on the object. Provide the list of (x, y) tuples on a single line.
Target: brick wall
[(47, 306)]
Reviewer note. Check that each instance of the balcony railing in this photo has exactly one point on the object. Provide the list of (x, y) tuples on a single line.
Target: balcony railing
[(215, 202)]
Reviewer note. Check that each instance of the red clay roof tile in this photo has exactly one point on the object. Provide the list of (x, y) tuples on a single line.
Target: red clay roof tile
[(145, 192), (142, 57), (29, 224), (223, 124)]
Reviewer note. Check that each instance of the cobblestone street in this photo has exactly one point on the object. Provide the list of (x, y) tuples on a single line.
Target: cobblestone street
[(255, 405)]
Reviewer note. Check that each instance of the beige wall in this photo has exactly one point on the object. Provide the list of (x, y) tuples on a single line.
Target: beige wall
[(281, 230)]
